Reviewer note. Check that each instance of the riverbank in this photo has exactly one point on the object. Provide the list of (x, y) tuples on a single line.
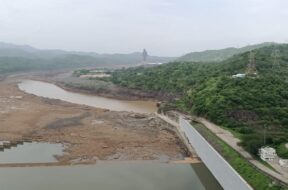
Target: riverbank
[(90, 134), (95, 87)]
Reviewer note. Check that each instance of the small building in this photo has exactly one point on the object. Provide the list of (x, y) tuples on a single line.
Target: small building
[(239, 75), (267, 153), (283, 163)]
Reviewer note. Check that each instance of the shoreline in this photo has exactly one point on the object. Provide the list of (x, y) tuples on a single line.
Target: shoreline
[(131, 94), (187, 160), (31, 116)]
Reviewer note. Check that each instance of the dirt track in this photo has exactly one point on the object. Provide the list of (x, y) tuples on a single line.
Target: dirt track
[(90, 133)]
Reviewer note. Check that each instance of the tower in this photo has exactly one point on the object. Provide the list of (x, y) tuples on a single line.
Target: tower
[(251, 67)]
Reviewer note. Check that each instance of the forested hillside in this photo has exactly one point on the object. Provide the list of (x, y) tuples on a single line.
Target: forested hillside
[(25, 58), (244, 105), (220, 55), (15, 64)]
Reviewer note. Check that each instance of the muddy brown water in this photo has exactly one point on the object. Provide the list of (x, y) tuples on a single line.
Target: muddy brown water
[(104, 176), (52, 91)]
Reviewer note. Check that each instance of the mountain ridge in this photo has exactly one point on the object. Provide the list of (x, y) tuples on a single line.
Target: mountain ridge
[(14, 57), (30, 49), (217, 55)]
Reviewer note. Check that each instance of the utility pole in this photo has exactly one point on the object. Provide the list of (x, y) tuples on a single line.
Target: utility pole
[(276, 57), (264, 134), (251, 67)]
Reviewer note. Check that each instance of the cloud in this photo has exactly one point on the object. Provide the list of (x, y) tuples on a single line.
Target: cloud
[(166, 27)]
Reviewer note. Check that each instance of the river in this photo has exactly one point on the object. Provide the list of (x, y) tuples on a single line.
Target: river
[(107, 175), (52, 91)]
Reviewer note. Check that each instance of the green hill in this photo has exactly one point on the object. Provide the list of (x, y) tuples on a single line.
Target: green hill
[(25, 58), (243, 105), (219, 55)]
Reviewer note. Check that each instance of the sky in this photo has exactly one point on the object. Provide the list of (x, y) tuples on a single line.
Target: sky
[(163, 27)]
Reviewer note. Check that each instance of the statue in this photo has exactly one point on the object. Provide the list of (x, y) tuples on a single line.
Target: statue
[(145, 55)]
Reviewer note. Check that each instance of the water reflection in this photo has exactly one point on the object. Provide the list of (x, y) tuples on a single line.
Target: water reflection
[(120, 176), (31, 153)]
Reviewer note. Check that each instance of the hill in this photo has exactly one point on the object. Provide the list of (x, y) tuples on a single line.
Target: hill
[(26, 58), (219, 55), (243, 105)]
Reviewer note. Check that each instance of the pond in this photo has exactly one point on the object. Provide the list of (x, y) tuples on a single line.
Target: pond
[(33, 152)]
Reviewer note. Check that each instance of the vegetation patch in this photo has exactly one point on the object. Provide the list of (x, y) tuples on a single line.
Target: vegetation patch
[(249, 106), (254, 177), (282, 150)]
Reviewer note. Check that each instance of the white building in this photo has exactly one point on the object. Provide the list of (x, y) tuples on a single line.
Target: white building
[(267, 153), (283, 163), (239, 75)]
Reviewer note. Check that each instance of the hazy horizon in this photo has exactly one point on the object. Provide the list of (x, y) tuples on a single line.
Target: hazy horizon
[(163, 27)]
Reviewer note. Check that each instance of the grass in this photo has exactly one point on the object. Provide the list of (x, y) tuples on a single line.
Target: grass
[(266, 164), (255, 178), (282, 151)]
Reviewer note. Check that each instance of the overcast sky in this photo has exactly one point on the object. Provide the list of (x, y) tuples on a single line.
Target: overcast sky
[(163, 27)]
